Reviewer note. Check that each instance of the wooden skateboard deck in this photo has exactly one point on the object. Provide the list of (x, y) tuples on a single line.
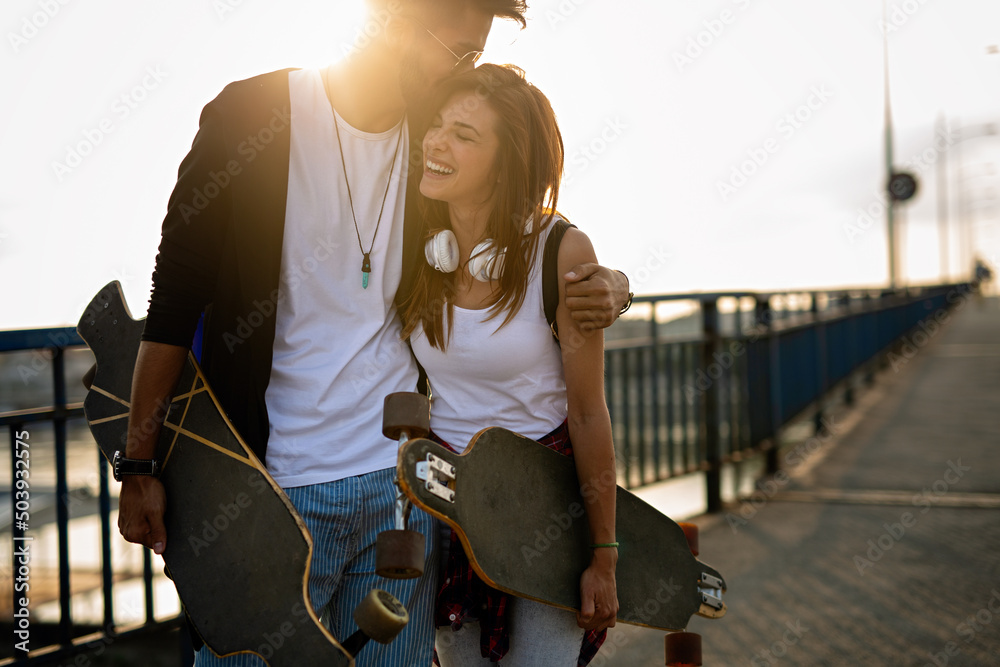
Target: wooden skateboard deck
[(517, 508), (237, 550)]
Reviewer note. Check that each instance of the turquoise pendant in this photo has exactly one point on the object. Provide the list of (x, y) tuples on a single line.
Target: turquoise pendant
[(366, 269)]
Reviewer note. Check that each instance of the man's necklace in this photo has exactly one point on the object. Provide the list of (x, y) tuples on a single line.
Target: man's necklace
[(366, 259)]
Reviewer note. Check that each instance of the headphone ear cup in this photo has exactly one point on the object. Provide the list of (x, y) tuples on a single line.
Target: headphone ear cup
[(485, 263), (441, 251)]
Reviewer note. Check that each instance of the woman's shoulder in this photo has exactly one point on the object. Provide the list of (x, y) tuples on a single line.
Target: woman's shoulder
[(574, 249)]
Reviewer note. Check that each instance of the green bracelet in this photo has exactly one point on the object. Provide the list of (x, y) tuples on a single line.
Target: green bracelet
[(608, 544)]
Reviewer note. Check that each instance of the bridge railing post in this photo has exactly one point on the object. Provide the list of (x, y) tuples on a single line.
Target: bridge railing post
[(710, 405), (822, 362)]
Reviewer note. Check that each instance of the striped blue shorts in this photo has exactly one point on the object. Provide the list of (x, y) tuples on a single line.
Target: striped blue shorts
[(344, 517)]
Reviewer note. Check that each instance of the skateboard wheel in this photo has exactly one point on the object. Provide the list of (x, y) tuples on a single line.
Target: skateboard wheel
[(88, 377), (381, 616), (691, 533), (406, 412), (399, 554), (683, 649)]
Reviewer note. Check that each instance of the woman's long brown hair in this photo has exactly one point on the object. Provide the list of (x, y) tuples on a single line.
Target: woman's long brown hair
[(529, 164)]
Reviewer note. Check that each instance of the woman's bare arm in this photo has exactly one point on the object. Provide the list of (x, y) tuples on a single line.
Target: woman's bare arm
[(590, 432)]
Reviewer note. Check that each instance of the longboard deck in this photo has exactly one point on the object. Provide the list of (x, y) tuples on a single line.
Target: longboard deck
[(519, 513), (237, 550)]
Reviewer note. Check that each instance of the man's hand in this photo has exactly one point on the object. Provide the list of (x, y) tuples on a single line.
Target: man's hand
[(142, 500), (595, 295), (140, 512)]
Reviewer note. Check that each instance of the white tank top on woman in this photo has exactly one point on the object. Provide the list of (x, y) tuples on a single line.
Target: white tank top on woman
[(510, 376)]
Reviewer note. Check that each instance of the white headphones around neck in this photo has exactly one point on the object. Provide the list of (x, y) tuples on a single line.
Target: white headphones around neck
[(485, 262)]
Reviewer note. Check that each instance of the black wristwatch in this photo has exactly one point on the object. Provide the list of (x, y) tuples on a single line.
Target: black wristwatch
[(122, 466), (628, 303)]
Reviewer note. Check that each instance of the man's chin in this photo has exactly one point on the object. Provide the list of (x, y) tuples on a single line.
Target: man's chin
[(415, 93), (414, 85)]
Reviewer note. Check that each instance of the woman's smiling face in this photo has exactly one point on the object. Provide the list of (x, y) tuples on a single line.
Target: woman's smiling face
[(460, 152)]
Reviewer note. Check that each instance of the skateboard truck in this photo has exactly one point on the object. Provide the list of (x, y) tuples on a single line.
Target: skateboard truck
[(710, 588), (399, 553), (438, 476)]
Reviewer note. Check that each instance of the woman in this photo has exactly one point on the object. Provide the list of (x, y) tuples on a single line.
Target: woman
[(493, 158)]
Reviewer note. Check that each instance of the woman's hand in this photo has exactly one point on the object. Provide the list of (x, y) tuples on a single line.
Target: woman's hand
[(598, 592)]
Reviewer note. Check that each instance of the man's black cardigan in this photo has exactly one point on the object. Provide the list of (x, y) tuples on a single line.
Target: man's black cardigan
[(220, 252)]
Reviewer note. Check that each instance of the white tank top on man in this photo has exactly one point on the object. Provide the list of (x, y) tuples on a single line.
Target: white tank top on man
[(337, 348)]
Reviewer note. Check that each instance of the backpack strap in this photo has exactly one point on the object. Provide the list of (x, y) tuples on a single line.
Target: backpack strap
[(550, 273)]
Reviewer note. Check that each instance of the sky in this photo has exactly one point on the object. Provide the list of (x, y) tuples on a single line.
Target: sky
[(711, 145)]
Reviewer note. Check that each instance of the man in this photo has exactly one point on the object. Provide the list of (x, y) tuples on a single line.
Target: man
[(286, 228)]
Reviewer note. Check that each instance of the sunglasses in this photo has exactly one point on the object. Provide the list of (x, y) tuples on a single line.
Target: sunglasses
[(461, 62)]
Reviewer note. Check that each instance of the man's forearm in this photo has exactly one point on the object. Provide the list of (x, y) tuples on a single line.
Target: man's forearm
[(157, 369)]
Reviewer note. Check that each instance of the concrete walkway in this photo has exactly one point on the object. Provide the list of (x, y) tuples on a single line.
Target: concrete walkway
[(881, 546)]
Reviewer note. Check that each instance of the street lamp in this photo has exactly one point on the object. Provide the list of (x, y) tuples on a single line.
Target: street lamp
[(900, 186)]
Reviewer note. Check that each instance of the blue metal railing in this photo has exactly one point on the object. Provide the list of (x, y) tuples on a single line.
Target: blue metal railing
[(49, 347), (722, 389), (685, 395)]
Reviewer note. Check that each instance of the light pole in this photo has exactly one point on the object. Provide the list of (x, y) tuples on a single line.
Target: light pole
[(942, 198), (899, 186), (965, 226), (891, 205)]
